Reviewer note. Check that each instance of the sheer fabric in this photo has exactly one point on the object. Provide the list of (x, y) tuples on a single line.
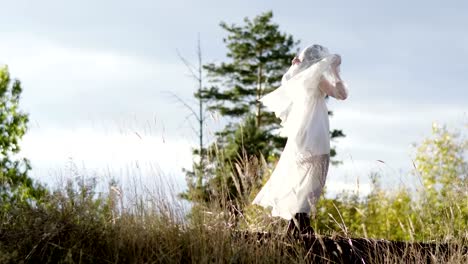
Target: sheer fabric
[(299, 177)]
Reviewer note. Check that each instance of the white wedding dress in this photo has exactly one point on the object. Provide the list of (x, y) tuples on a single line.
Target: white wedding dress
[(299, 177)]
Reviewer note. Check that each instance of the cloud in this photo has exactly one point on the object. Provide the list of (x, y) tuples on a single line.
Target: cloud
[(98, 147), (68, 87), (103, 150)]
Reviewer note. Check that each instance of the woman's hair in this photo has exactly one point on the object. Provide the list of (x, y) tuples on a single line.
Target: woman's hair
[(308, 57), (313, 54)]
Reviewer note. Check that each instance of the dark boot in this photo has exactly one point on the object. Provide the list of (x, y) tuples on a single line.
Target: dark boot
[(304, 224), (300, 225)]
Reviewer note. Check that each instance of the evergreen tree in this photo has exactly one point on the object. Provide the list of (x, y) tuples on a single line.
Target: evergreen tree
[(259, 55)]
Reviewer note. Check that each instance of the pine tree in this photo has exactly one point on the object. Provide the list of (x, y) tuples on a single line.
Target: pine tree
[(259, 54)]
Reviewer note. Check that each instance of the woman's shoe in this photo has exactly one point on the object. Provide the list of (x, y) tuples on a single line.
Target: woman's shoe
[(304, 224), (300, 225)]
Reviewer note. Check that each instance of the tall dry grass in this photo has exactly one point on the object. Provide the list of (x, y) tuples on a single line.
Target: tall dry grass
[(75, 224), (78, 224)]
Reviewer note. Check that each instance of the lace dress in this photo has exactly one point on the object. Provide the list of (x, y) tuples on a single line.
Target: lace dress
[(300, 174)]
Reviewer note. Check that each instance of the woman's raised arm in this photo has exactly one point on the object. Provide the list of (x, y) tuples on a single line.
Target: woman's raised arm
[(335, 87), (337, 91)]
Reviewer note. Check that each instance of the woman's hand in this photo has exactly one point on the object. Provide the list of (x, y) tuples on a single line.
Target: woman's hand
[(336, 66), (337, 61), (296, 60)]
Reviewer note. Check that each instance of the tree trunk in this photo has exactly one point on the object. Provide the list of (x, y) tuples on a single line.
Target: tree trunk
[(259, 94)]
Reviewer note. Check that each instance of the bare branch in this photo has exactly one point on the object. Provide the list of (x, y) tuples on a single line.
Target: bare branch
[(189, 66), (180, 100)]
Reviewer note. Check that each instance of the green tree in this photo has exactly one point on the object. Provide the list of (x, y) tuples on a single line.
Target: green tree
[(441, 164), (258, 55), (15, 185)]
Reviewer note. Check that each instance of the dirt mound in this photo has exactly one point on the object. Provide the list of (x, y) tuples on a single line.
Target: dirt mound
[(324, 249)]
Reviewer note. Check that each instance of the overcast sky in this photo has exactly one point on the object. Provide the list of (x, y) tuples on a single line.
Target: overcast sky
[(96, 76)]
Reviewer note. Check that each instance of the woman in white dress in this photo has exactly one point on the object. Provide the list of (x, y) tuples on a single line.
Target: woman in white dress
[(299, 177)]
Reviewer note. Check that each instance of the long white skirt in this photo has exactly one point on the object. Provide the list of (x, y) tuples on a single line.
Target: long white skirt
[(295, 185)]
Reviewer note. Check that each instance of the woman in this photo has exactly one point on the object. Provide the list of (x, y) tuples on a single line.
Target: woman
[(298, 179)]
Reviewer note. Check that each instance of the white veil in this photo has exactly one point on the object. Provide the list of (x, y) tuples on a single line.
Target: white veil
[(289, 102)]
